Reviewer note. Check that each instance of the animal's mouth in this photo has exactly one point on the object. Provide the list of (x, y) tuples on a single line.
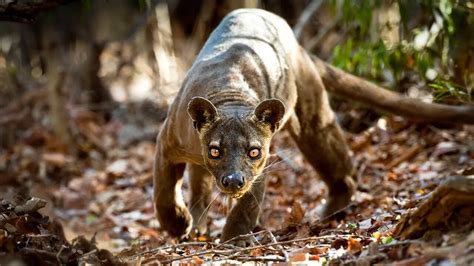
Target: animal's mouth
[(236, 194)]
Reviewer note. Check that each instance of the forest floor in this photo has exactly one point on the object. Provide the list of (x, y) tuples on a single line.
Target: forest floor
[(100, 210)]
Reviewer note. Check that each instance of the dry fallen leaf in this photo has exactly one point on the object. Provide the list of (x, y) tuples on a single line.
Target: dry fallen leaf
[(117, 168), (55, 159), (354, 245), (256, 252), (299, 256), (296, 214), (197, 260)]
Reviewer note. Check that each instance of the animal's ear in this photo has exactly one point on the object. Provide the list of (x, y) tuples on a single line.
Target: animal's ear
[(201, 111), (270, 111)]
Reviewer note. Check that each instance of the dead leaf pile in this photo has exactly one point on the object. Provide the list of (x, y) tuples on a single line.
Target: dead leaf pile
[(28, 237)]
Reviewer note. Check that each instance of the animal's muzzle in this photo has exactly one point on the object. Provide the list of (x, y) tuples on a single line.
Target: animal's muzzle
[(233, 182)]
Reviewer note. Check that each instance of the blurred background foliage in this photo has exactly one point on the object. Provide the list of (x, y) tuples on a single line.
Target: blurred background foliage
[(428, 40), (122, 57)]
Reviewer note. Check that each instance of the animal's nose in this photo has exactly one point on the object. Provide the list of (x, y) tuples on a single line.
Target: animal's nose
[(233, 181)]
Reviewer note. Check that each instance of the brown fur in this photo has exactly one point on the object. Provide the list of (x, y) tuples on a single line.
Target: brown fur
[(250, 79)]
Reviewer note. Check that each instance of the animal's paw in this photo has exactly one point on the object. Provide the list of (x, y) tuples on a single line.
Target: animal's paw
[(199, 223), (242, 241), (338, 199), (333, 205), (238, 234), (175, 219), (335, 202), (198, 234)]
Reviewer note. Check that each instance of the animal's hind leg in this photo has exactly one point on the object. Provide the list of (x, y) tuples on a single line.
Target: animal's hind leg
[(319, 137), (201, 188), (326, 150)]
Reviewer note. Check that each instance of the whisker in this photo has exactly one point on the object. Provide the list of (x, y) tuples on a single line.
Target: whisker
[(207, 209), (258, 204), (229, 204), (197, 202), (271, 168), (275, 165), (280, 161)]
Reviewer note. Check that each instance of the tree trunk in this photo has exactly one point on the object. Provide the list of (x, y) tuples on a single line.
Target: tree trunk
[(51, 44)]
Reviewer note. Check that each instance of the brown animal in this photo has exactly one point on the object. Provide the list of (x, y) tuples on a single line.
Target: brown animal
[(250, 79)]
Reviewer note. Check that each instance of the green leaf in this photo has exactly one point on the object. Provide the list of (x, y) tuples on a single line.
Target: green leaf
[(445, 7), (387, 239), (352, 225)]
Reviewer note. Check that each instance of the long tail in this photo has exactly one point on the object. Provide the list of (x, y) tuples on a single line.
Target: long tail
[(358, 89)]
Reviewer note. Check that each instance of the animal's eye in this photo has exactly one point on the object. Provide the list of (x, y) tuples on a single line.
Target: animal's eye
[(254, 153), (214, 153)]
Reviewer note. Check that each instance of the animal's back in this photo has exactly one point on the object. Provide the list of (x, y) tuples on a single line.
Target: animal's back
[(267, 34), (248, 26)]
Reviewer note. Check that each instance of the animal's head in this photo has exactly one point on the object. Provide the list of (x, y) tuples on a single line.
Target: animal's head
[(235, 146)]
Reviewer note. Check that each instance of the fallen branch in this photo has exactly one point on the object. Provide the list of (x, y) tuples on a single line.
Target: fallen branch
[(458, 253), (450, 205), (374, 96), (261, 259)]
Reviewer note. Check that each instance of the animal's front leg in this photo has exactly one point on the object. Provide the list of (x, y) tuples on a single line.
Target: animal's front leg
[(201, 188), (244, 216), (170, 208)]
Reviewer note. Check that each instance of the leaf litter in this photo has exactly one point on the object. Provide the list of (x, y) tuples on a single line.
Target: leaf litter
[(97, 208)]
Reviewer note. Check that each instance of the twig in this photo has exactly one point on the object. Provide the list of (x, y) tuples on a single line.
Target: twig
[(412, 152), (360, 172), (272, 237), (235, 255), (260, 258), (240, 250), (400, 243), (212, 251), (305, 17), (241, 236), (185, 244)]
